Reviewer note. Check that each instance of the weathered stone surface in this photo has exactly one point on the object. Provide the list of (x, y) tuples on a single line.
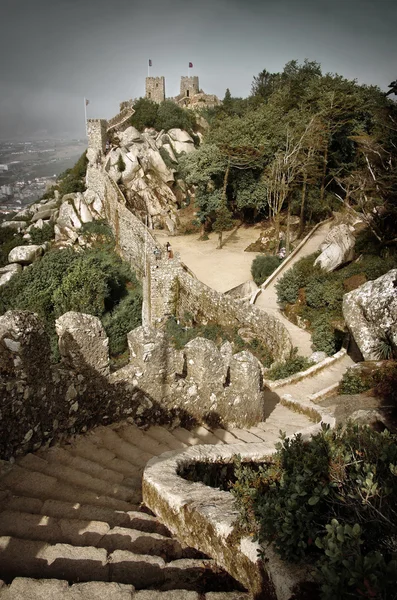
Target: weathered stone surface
[(44, 213), (243, 290), (318, 356), (25, 255), (337, 248), (83, 342), (370, 313), (68, 216), (205, 363), (130, 136), (17, 225), (8, 272)]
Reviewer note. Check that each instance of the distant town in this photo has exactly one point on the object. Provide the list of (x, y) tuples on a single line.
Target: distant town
[(29, 168)]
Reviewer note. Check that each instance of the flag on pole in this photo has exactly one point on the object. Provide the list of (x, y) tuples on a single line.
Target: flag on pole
[(150, 62), (87, 102), (190, 65)]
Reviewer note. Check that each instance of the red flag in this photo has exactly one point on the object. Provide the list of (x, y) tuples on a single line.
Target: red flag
[(190, 65), (87, 102), (150, 62)]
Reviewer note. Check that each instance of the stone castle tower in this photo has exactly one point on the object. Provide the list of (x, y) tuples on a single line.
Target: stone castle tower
[(189, 86), (155, 89)]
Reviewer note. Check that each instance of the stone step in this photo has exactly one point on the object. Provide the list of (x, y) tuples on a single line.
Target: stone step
[(133, 519), (109, 439), (133, 435), (79, 479), (87, 533), (243, 435), (206, 435), (24, 482), (226, 436), (84, 448), (186, 437), (164, 436), (61, 455), (55, 589)]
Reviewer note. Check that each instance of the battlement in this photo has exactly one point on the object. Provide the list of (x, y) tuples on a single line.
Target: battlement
[(155, 89), (189, 86), (96, 131)]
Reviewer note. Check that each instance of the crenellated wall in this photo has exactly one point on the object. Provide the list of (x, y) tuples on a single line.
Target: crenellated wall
[(155, 89), (169, 289)]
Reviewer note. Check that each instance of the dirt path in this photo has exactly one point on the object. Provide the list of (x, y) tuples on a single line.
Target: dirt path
[(220, 269), (267, 299)]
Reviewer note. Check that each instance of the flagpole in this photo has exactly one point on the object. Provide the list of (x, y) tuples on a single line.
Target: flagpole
[(85, 114)]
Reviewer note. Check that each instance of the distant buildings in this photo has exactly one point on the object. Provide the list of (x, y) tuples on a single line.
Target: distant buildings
[(190, 95)]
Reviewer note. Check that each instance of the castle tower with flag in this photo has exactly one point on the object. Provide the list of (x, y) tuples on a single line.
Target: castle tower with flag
[(189, 86)]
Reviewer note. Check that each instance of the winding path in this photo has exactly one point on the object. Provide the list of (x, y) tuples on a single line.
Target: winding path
[(267, 299)]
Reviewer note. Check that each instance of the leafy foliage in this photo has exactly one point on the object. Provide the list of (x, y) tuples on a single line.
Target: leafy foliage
[(45, 234), (263, 266), (330, 501), (9, 239), (294, 364), (93, 281), (72, 180), (353, 382), (166, 115), (180, 334)]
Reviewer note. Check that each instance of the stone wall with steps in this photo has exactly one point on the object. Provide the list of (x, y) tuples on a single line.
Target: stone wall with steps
[(72, 513)]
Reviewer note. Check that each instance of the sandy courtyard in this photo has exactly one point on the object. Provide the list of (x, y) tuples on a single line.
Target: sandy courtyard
[(220, 269)]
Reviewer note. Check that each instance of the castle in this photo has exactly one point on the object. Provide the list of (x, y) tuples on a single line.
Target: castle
[(190, 95)]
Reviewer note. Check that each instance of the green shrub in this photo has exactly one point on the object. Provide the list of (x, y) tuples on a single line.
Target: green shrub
[(323, 335), (126, 316), (166, 115), (9, 239), (72, 180), (263, 266), (145, 114), (121, 164), (295, 278), (98, 233), (93, 281), (353, 382), (169, 163), (292, 365), (45, 234), (329, 501)]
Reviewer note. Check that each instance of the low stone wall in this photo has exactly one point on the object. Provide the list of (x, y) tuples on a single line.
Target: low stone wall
[(205, 518), (169, 289), (40, 401), (215, 386)]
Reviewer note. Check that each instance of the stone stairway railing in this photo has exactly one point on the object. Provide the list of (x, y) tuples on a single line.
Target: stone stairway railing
[(120, 118), (72, 513)]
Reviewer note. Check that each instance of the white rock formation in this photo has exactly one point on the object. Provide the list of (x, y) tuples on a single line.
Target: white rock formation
[(25, 255), (7, 272), (337, 248), (370, 312)]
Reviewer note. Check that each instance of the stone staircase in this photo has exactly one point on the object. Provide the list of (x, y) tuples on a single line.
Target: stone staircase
[(72, 526)]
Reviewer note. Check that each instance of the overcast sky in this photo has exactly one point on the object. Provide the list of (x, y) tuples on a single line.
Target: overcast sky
[(56, 52)]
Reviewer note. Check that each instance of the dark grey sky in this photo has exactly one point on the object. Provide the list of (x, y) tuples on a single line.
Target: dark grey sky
[(55, 52)]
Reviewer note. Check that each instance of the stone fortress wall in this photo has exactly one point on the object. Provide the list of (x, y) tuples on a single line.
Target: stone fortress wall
[(189, 86), (155, 89)]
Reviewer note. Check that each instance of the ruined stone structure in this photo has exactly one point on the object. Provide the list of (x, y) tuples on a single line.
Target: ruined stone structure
[(155, 89), (190, 95), (189, 86), (96, 131)]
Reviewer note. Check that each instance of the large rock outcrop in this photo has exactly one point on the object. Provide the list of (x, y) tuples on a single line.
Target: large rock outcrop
[(370, 313), (145, 163), (337, 248)]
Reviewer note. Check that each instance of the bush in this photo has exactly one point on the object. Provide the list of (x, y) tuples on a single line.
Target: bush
[(121, 164), (295, 278), (126, 316), (93, 281), (45, 234), (329, 501), (9, 239), (323, 335), (98, 233), (166, 115), (292, 365), (72, 180), (263, 266), (353, 382)]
